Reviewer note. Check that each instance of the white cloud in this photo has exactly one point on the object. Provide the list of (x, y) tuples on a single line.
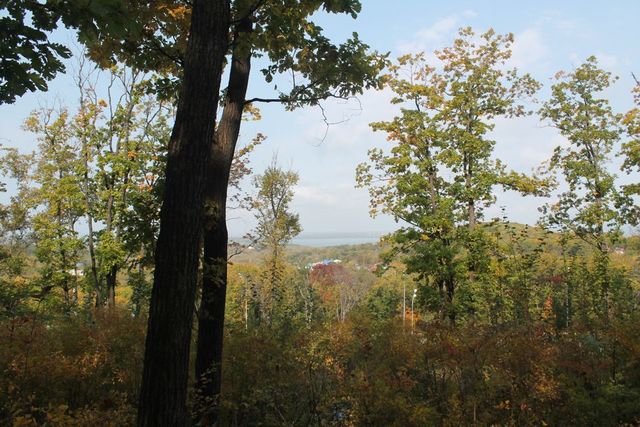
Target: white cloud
[(567, 26), (469, 13), (341, 205), (558, 21), (528, 48), (351, 129), (315, 195), (429, 38), (524, 143), (439, 30)]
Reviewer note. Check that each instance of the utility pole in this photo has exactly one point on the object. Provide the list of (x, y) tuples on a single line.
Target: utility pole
[(404, 302), (413, 298)]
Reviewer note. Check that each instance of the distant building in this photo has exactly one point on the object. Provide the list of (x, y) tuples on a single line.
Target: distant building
[(317, 264)]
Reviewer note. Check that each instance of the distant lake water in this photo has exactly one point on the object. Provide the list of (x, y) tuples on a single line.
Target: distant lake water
[(323, 240), (320, 240)]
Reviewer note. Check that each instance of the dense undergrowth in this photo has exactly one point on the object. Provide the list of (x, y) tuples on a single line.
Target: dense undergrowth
[(364, 371)]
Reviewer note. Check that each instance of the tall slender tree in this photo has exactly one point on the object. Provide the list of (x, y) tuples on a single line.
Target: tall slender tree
[(276, 224), (631, 154), (440, 173), (592, 128), (590, 207), (59, 199)]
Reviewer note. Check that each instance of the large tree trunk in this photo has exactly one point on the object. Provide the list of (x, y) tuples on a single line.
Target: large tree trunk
[(92, 256), (111, 280), (471, 208), (214, 278), (166, 362)]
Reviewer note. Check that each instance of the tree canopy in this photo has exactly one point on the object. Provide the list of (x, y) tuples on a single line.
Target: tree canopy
[(440, 172)]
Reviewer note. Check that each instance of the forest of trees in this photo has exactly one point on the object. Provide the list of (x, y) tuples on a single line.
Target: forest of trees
[(123, 302)]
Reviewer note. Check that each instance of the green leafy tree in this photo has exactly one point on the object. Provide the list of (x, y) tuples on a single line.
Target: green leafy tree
[(59, 201), (106, 161), (591, 208), (16, 287), (129, 142), (631, 152), (383, 303), (440, 173), (514, 282), (30, 59), (276, 224), (588, 207)]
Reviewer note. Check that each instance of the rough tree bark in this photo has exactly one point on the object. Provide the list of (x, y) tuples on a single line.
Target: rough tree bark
[(111, 281), (166, 362), (214, 279)]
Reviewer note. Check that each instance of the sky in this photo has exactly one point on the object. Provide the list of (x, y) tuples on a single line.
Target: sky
[(549, 36)]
